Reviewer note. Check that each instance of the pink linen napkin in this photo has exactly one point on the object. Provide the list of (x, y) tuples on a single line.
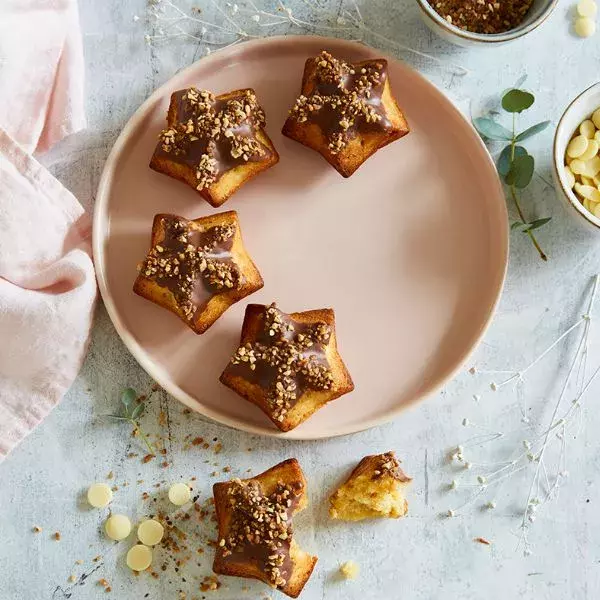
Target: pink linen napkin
[(47, 283)]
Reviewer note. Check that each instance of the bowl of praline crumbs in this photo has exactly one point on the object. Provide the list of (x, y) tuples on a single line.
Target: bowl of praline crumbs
[(576, 158), (484, 22)]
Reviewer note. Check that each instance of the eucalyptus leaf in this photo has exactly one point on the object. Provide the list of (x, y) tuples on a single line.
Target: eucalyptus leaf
[(531, 131), (489, 129), (128, 397), (521, 171), (504, 160), (538, 223), (137, 411), (516, 101)]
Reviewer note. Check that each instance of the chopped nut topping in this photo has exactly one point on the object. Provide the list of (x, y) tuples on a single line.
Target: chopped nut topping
[(287, 358), (214, 135), (343, 100), (186, 256)]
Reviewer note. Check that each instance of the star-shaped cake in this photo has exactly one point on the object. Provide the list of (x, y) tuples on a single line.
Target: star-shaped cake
[(346, 111), (256, 530), (215, 144), (287, 364), (197, 269)]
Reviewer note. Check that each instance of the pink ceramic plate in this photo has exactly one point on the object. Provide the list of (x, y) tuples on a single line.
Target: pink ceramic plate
[(411, 251)]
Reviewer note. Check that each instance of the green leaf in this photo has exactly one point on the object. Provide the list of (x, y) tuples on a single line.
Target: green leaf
[(137, 411), (521, 171), (504, 160), (491, 130), (517, 225), (516, 101), (531, 131), (128, 397), (538, 223)]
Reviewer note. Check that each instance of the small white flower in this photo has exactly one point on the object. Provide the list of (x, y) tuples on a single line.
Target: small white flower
[(256, 18), (207, 51), (147, 39), (136, 18), (459, 449), (289, 12), (453, 484), (465, 422), (481, 479), (531, 518), (525, 420), (531, 456), (450, 513), (477, 397), (341, 21), (203, 30), (493, 386), (564, 474), (491, 504), (235, 8), (527, 444), (468, 465)]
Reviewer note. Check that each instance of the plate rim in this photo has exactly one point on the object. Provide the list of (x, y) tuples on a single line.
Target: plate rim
[(154, 369)]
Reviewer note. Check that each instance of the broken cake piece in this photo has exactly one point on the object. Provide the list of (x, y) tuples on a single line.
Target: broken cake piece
[(287, 364), (197, 269), (213, 143), (346, 111), (256, 531), (375, 488)]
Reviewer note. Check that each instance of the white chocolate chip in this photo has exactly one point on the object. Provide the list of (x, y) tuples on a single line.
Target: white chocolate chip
[(150, 532), (597, 210), (588, 129), (585, 27), (117, 527), (587, 8), (578, 167), (99, 495), (139, 558), (585, 191), (591, 150), (180, 494), (596, 118), (569, 177), (577, 146)]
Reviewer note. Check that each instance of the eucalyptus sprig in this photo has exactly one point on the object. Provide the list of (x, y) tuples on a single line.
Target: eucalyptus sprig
[(515, 165), (131, 411)]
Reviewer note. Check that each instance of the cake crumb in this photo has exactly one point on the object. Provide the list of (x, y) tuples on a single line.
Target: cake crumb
[(72, 579), (482, 541), (350, 570), (37, 529), (57, 536)]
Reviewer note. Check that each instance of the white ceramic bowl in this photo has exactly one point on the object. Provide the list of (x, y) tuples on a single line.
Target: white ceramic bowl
[(580, 109), (538, 13)]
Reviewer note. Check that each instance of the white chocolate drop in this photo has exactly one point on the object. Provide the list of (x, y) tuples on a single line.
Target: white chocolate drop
[(587, 8), (588, 129), (590, 151), (139, 558), (596, 118), (99, 495), (180, 494), (585, 191), (578, 167), (150, 532), (577, 146), (117, 527), (569, 177), (597, 210), (585, 27)]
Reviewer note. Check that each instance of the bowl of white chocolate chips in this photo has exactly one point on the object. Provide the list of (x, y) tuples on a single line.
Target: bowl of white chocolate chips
[(577, 157)]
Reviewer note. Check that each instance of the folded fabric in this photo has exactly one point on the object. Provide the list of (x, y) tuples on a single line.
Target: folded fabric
[(47, 291), (47, 282), (41, 71)]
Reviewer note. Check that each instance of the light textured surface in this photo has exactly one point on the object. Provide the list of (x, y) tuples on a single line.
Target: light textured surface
[(421, 557)]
